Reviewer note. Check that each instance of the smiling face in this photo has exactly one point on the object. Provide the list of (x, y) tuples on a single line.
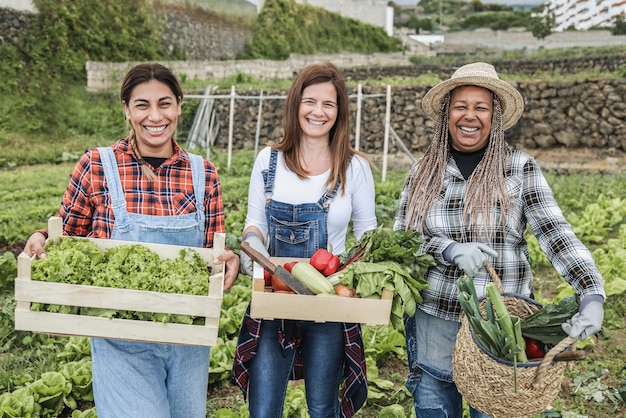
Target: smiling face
[(318, 110), (153, 111), (471, 112)]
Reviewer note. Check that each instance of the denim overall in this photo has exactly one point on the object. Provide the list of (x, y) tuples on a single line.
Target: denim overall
[(296, 231), (151, 380)]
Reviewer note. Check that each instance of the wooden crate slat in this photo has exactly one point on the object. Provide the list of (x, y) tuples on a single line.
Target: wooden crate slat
[(163, 250), (126, 329), (118, 299), (207, 307), (269, 305), (266, 304)]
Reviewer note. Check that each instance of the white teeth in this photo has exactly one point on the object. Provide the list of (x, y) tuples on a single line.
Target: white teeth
[(156, 129), (468, 129), (316, 122)]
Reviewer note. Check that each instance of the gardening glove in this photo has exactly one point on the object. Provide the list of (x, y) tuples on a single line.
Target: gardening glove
[(470, 256), (246, 265), (588, 320)]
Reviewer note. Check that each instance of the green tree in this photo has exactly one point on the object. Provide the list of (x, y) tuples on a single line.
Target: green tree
[(49, 61), (419, 24), (542, 21), (619, 26), (284, 27)]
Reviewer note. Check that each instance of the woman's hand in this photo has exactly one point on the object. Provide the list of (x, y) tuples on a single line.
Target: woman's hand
[(35, 244), (471, 256), (231, 268), (588, 320)]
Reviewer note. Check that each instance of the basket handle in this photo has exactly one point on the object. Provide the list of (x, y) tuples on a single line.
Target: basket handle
[(494, 276), (542, 370), (546, 362)]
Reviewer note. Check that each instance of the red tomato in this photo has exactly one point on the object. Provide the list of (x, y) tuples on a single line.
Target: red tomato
[(267, 278), (534, 348)]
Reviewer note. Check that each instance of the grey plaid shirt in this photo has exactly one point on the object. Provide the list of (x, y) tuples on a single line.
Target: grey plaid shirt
[(533, 204)]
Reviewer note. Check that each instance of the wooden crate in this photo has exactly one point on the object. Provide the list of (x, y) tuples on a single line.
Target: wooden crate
[(28, 291), (269, 305)]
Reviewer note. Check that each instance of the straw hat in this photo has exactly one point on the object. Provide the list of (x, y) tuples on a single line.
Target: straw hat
[(479, 74)]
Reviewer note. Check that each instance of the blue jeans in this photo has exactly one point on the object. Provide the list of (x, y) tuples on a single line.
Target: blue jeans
[(430, 341), (148, 380), (434, 398), (322, 354)]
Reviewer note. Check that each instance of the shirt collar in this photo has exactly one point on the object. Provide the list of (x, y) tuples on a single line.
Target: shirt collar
[(179, 153)]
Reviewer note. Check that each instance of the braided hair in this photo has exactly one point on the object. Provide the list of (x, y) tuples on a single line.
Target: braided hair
[(486, 188)]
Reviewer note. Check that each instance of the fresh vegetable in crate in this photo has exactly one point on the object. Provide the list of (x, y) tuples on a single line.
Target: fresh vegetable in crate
[(74, 260), (387, 259), (312, 278), (324, 261), (385, 244)]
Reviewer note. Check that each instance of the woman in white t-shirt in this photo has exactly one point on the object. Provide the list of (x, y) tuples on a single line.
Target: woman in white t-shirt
[(304, 191)]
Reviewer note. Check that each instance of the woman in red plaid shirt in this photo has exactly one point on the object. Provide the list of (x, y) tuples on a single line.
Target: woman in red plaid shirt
[(146, 188)]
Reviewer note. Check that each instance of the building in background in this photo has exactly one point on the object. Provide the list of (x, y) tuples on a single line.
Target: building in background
[(18, 5), (585, 14), (373, 12)]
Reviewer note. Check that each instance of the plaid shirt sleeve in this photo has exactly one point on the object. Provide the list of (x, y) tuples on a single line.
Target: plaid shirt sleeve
[(556, 237)]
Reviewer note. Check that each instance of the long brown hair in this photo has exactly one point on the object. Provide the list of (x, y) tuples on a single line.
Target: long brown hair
[(143, 73), (339, 135)]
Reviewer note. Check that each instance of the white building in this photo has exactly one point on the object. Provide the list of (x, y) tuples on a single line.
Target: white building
[(584, 14), (18, 5), (373, 12)]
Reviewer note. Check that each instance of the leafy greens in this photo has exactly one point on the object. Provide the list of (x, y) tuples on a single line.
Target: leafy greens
[(74, 260)]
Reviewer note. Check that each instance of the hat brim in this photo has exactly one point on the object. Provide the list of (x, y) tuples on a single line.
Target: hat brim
[(510, 98)]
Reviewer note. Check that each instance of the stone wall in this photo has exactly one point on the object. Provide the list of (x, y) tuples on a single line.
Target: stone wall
[(516, 40), (202, 38), (573, 114), (107, 75), (13, 23)]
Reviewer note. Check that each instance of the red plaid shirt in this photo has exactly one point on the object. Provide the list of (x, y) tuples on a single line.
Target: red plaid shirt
[(86, 206)]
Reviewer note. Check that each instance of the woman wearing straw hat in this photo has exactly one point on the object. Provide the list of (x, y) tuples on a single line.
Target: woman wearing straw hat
[(471, 197)]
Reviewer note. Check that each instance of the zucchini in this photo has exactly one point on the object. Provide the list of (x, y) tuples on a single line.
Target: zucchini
[(312, 278)]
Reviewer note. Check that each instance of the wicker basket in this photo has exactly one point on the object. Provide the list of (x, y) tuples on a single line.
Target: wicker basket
[(487, 382)]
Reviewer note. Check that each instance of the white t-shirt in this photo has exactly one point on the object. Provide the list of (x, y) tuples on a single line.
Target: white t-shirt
[(358, 202)]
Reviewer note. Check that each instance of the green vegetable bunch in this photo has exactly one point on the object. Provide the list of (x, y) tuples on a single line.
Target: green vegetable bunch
[(545, 324), (388, 259), (74, 260), (369, 280), (499, 333), (385, 244)]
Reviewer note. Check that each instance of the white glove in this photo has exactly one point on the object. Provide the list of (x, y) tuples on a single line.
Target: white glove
[(586, 322), (471, 256), (246, 264)]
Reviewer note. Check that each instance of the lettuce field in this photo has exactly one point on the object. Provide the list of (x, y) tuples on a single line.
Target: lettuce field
[(49, 376)]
